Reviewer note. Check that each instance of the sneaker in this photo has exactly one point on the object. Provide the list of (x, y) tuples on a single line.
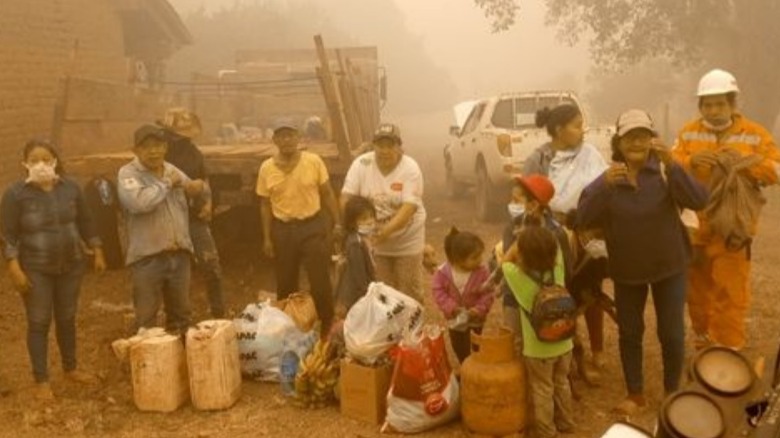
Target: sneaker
[(81, 377), (42, 392)]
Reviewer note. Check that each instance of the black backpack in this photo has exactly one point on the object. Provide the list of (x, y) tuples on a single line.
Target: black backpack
[(554, 312)]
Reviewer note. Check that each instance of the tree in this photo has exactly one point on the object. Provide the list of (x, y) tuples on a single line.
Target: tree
[(696, 35)]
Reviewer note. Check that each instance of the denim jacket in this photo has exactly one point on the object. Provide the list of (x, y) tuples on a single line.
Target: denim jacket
[(156, 215), (45, 230)]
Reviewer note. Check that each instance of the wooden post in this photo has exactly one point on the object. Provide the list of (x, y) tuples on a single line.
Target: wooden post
[(351, 108), (61, 107), (362, 97), (339, 135), (333, 101)]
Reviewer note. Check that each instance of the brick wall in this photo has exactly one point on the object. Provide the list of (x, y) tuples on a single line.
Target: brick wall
[(37, 38)]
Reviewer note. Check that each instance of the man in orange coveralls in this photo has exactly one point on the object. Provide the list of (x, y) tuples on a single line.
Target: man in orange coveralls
[(719, 278)]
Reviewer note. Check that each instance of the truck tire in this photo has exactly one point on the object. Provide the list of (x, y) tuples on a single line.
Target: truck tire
[(486, 207)]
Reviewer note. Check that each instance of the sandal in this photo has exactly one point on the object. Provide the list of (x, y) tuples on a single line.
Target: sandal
[(43, 393), (630, 405)]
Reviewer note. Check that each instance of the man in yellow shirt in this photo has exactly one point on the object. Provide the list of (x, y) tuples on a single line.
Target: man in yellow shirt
[(719, 278), (294, 186)]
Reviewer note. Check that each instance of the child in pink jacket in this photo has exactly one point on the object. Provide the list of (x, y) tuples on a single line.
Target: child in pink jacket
[(459, 289)]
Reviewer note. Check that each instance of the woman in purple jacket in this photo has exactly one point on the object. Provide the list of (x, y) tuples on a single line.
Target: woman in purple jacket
[(637, 202)]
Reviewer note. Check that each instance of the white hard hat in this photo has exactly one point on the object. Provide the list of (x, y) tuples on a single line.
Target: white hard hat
[(717, 82)]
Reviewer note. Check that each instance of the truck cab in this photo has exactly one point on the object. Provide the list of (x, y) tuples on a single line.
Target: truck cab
[(491, 145)]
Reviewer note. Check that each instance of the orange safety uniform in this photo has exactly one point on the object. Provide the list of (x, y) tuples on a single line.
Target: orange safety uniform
[(719, 279)]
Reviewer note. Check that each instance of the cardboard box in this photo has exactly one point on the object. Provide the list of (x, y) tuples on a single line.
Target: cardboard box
[(364, 391)]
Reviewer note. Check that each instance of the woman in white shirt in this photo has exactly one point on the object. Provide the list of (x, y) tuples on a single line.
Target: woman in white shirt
[(394, 183)]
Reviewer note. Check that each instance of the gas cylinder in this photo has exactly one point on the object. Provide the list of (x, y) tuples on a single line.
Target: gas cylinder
[(493, 398)]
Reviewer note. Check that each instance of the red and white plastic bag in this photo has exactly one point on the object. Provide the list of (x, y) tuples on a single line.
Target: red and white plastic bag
[(424, 392)]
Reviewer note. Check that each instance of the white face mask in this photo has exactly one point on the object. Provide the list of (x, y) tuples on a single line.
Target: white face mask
[(717, 128), (366, 229), (41, 172), (515, 209), (596, 248)]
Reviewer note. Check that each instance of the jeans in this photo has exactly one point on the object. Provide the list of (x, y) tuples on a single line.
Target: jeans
[(49, 294), (304, 243), (461, 342), (163, 276), (669, 301), (207, 259)]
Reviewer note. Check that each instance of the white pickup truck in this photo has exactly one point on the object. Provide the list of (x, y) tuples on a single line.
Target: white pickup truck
[(492, 139)]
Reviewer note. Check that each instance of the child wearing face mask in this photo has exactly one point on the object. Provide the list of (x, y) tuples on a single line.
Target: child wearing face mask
[(460, 291), (531, 196), (359, 270)]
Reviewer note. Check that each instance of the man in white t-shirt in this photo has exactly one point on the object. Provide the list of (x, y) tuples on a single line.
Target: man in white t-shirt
[(394, 183)]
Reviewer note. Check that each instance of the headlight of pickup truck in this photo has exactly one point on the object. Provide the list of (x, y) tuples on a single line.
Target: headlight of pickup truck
[(504, 144)]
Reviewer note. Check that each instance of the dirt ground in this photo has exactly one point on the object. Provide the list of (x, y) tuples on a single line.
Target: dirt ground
[(107, 409)]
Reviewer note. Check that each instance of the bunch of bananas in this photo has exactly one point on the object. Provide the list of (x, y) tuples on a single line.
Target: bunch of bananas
[(317, 377)]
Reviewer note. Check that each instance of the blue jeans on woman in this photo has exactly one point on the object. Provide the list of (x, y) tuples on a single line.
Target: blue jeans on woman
[(669, 302), (56, 294)]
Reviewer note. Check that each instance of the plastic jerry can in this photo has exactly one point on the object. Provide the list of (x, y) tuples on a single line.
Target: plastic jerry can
[(159, 372), (214, 366)]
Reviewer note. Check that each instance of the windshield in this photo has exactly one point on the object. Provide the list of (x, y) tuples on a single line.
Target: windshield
[(520, 112), (462, 111)]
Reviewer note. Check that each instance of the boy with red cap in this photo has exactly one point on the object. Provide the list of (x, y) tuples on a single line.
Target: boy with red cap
[(531, 197)]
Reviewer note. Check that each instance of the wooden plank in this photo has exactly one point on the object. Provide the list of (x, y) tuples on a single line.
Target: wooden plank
[(361, 99), (299, 56), (351, 111), (369, 89), (333, 100), (337, 133)]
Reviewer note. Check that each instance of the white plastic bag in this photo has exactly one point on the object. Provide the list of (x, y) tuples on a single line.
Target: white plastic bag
[(424, 392), (377, 321), (122, 347), (262, 331)]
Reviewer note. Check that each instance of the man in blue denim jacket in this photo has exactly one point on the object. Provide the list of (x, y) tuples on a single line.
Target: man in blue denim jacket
[(154, 194)]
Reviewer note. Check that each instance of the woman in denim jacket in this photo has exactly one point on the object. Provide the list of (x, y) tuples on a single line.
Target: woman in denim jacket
[(45, 224)]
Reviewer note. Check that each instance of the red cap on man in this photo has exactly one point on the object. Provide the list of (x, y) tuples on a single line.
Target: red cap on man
[(538, 186)]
